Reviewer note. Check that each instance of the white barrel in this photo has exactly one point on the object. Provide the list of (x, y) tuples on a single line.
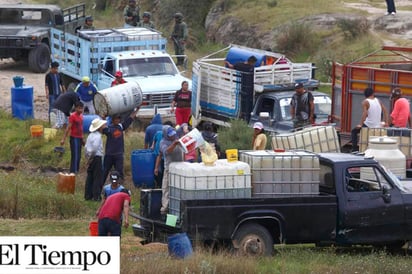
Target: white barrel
[(385, 150), (118, 99)]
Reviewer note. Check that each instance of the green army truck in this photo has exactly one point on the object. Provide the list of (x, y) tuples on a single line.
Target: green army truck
[(25, 31)]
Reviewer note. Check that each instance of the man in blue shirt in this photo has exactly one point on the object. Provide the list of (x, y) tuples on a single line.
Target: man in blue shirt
[(86, 91), (54, 85)]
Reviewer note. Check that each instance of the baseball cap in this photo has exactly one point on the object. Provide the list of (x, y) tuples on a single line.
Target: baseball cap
[(396, 93), (171, 132), (114, 176), (85, 79), (118, 74), (258, 125), (298, 85)]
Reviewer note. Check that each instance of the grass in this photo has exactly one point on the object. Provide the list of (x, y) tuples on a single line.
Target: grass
[(30, 206), (154, 258)]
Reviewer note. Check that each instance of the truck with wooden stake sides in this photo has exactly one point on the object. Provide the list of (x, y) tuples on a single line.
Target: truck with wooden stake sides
[(218, 93), (139, 53), (382, 70), (25, 31), (270, 198)]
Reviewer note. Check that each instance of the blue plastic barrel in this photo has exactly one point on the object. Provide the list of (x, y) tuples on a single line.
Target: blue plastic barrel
[(87, 121), (179, 246), (143, 162), (22, 102), (236, 55)]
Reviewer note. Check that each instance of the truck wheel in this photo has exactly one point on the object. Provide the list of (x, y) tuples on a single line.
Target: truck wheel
[(39, 58), (254, 240)]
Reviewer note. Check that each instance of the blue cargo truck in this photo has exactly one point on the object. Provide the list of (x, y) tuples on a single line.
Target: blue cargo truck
[(140, 54)]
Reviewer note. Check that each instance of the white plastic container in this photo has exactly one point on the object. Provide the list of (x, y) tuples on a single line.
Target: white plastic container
[(224, 180), (315, 139), (275, 173), (385, 150), (118, 99)]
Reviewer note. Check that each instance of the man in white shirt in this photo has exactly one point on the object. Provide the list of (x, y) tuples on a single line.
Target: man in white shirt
[(94, 155), (371, 116)]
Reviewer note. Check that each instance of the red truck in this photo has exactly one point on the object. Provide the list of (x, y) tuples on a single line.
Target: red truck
[(382, 70)]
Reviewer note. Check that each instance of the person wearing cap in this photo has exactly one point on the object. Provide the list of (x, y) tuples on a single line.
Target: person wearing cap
[(94, 156), (75, 128), (131, 14), (371, 117), (171, 151), (179, 38), (401, 114), (302, 107), (259, 137), (86, 90), (54, 85), (146, 22), (247, 70), (114, 152), (113, 187), (118, 80), (88, 23), (111, 212)]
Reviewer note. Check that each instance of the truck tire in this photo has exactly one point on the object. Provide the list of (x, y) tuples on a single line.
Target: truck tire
[(39, 58), (254, 240)]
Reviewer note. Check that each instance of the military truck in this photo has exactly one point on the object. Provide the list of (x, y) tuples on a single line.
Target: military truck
[(25, 31)]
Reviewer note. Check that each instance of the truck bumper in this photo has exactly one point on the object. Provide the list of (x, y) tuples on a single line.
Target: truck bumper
[(150, 230), (148, 113)]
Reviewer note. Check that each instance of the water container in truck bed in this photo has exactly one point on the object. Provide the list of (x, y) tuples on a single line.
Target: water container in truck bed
[(189, 181), (281, 173)]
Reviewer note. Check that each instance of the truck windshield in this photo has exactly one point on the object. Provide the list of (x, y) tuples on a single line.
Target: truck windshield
[(147, 67), (323, 106), (24, 16)]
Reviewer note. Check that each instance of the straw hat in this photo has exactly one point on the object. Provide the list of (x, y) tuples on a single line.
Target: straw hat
[(96, 124)]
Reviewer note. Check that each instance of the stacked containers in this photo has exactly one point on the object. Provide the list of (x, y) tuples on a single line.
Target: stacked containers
[(224, 180), (315, 139), (285, 173)]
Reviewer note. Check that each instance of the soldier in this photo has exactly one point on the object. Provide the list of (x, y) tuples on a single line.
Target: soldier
[(179, 37), (88, 24), (146, 23), (131, 14)]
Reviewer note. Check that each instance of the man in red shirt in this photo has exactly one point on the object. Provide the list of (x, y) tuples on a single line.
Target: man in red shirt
[(75, 127), (110, 215), (400, 116)]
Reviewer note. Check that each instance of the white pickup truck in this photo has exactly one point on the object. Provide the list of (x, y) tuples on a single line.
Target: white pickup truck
[(140, 54), (217, 88)]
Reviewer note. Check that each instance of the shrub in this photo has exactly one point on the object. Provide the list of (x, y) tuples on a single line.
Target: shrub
[(353, 28), (297, 39), (238, 135)]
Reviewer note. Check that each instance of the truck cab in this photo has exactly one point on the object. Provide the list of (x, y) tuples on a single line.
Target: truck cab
[(154, 71), (273, 110)]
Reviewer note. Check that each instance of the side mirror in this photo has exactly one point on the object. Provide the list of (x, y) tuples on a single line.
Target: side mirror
[(386, 196)]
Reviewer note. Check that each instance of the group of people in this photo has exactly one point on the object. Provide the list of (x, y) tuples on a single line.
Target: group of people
[(373, 111)]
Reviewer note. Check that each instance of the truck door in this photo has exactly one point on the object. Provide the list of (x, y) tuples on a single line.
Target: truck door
[(196, 82), (264, 111), (372, 210), (106, 74)]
